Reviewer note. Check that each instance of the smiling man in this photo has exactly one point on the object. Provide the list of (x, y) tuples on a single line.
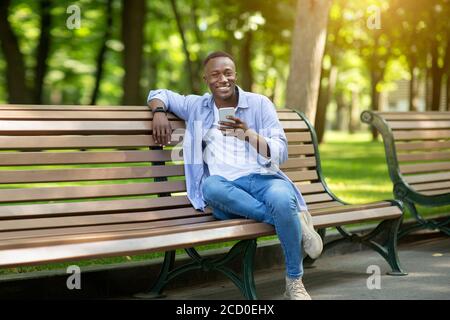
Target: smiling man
[(233, 166)]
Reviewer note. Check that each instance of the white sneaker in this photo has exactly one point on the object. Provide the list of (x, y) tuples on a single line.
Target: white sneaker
[(295, 290), (312, 242)]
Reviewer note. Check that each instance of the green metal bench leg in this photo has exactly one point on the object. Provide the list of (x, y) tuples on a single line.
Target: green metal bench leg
[(245, 283), (422, 223)]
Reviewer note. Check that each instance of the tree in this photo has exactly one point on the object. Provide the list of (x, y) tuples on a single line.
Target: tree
[(308, 44), (133, 19)]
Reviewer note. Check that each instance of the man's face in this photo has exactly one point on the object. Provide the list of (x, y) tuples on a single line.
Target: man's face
[(220, 76)]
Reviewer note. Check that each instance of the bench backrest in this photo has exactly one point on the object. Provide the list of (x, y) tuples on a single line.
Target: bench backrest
[(104, 160), (417, 148)]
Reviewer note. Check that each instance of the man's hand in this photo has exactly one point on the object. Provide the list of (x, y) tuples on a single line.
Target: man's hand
[(161, 129), (238, 128)]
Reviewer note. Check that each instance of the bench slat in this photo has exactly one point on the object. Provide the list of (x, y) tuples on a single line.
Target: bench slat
[(306, 149), (18, 127), (423, 156), (292, 162), (86, 207), (405, 116), (433, 177), (294, 137), (310, 187), (330, 220), (139, 220), (90, 174), (421, 134), (70, 142), (426, 145), (328, 204), (395, 125), (90, 191), (425, 167), (431, 186), (84, 157), (32, 255), (313, 198), (305, 175), (436, 192), (78, 115)]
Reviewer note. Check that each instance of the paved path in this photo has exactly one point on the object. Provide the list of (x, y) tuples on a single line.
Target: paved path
[(345, 277)]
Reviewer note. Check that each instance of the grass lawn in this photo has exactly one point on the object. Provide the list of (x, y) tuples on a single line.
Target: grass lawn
[(355, 170)]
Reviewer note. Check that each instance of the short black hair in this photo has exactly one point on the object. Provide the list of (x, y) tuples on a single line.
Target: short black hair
[(217, 54)]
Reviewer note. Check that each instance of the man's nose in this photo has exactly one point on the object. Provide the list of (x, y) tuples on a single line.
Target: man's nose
[(222, 78)]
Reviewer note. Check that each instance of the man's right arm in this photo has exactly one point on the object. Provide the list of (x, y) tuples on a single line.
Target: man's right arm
[(171, 102)]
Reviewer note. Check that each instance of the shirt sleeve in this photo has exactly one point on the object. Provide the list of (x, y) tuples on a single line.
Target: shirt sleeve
[(273, 132), (176, 103)]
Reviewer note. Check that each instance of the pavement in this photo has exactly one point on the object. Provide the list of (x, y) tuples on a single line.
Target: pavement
[(353, 276)]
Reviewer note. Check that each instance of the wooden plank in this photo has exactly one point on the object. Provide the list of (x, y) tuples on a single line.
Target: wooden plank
[(92, 191), (310, 187), (288, 116), (425, 145), (328, 204), (431, 186), (78, 115), (294, 125), (71, 107), (300, 149), (76, 141), (141, 220), (305, 175), (422, 135), (406, 116), (307, 162), (424, 167), (85, 157), (86, 207), (81, 230), (329, 220), (349, 208), (320, 197), (18, 127), (25, 256), (437, 192), (422, 178), (442, 124), (405, 157), (89, 174), (294, 137)]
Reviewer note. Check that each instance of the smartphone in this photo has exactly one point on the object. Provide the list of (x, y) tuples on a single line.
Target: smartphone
[(225, 112)]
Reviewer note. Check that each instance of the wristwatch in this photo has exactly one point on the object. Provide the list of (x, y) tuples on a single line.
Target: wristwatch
[(159, 109)]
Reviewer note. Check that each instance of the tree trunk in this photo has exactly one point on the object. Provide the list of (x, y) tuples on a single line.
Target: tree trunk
[(308, 43), (413, 89), (246, 57), (133, 20), (325, 94), (193, 79), (42, 51), (447, 100), (374, 97), (428, 83), (436, 75), (18, 92), (101, 54), (340, 105), (353, 112)]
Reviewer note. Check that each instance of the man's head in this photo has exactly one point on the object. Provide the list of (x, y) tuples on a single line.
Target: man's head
[(220, 76)]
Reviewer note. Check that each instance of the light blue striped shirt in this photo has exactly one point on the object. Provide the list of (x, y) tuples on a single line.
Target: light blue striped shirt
[(197, 111)]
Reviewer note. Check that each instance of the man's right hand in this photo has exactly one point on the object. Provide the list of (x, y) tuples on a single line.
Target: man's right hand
[(161, 128)]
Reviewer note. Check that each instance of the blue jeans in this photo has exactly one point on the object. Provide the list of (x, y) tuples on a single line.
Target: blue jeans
[(264, 198)]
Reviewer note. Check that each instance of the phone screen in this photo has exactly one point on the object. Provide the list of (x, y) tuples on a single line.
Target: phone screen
[(224, 113)]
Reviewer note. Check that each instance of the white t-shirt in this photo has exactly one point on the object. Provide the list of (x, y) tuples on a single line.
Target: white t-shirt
[(228, 156)]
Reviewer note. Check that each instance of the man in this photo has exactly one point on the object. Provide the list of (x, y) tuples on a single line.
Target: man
[(232, 166)]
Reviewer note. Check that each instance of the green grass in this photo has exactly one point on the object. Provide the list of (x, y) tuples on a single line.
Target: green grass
[(354, 168)]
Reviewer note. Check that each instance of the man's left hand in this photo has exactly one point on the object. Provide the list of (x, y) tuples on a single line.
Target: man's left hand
[(237, 129)]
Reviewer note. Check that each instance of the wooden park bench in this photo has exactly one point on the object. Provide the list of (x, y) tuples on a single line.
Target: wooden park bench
[(417, 146), (88, 182)]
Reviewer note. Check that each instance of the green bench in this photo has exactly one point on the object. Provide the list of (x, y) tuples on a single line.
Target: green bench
[(417, 146), (83, 182)]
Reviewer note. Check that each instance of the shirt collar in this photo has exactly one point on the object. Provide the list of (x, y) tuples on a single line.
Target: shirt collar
[(242, 101)]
